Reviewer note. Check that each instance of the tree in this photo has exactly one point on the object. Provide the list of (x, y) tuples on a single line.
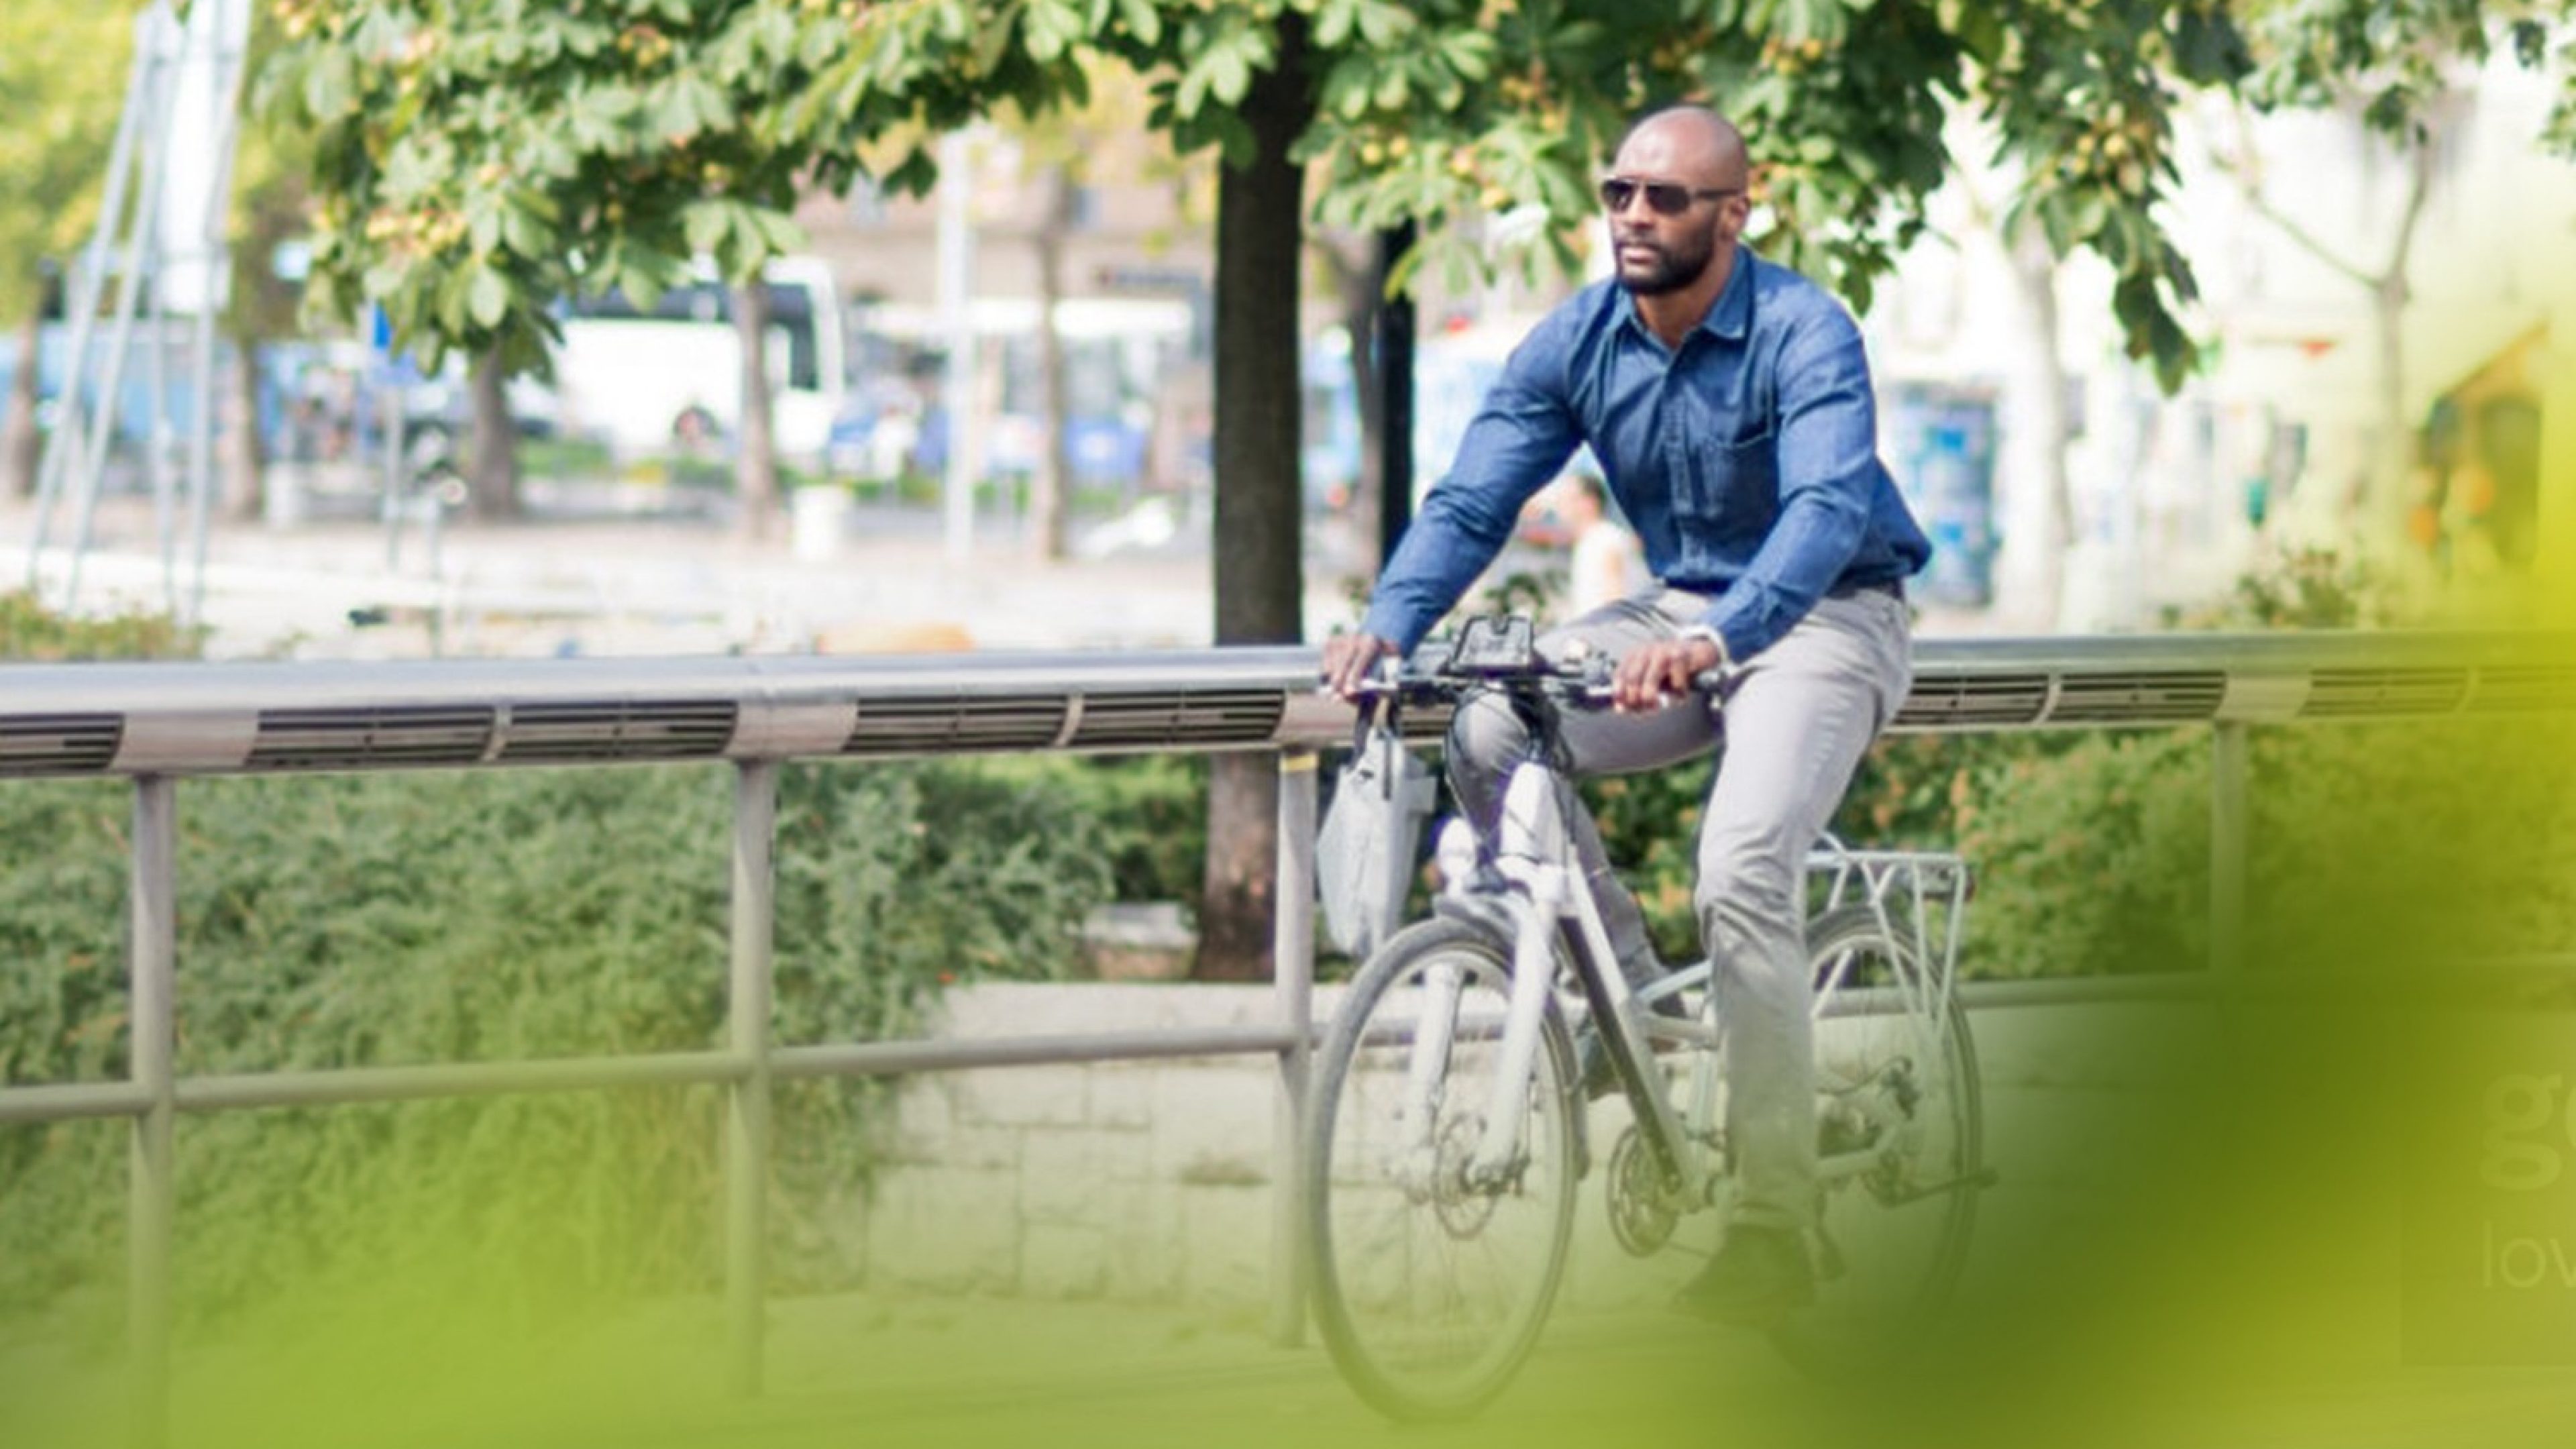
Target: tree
[(2395, 68), (476, 161), (1057, 152), (473, 170), (756, 457), (62, 86), (269, 205)]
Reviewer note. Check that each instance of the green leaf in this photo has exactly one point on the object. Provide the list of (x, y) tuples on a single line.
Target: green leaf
[(1144, 20), (1392, 87), (778, 231), (524, 233), (1334, 20), (993, 36), (1382, 25), (2208, 49), (914, 175), (331, 87), (708, 223), (489, 298), (641, 280)]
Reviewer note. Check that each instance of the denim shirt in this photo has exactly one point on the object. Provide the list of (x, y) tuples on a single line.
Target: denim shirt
[(1746, 459)]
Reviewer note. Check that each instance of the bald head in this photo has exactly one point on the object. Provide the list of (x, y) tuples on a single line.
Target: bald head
[(1676, 203), (1687, 143)]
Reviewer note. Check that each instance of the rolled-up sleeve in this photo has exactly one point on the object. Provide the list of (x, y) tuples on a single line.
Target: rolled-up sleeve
[(1828, 468), (1520, 438)]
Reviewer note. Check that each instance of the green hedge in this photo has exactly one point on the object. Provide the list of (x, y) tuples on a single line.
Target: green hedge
[(367, 920)]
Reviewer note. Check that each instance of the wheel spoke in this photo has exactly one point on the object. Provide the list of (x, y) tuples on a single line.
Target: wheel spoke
[(1431, 1286), (1899, 1114)]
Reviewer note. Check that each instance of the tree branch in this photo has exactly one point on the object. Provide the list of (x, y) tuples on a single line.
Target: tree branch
[(2419, 186), (2247, 175)]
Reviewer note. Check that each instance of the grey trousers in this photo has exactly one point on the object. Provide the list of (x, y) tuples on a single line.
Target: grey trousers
[(1794, 725)]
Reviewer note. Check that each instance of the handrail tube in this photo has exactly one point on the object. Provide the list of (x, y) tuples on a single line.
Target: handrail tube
[(347, 1085), (206, 718), (893, 1058), (72, 1102)]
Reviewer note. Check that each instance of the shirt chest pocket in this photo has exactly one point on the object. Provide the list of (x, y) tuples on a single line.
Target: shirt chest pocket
[(1728, 477)]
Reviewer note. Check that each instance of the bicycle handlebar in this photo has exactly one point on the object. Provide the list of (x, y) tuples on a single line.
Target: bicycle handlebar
[(1434, 676)]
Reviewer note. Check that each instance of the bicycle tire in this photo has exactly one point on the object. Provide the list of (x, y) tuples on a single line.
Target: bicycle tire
[(1892, 1240), (1430, 1292)]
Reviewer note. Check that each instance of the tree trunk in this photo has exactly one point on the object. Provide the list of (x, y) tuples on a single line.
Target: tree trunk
[(755, 462), (1054, 481), (2041, 427), (1359, 285), (2393, 459), (1259, 579), (22, 448), (492, 474), (244, 459)]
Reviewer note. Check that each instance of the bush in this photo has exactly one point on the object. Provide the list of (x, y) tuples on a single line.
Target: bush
[(30, 631), (368, 920)]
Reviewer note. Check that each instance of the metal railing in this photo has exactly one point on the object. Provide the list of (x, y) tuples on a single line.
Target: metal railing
[(156, 723)]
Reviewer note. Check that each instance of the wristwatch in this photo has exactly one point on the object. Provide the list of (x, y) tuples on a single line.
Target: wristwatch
[(1716, 641)]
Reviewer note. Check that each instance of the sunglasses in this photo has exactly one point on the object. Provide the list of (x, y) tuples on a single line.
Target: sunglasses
[(1664, 198)]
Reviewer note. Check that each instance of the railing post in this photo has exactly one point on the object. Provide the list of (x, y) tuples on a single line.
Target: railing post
[(2228, 829), (153, 1032), (747, 1011), (1293, 972)]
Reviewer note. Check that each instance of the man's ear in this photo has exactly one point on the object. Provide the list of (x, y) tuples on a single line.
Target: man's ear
[(1757, 187)]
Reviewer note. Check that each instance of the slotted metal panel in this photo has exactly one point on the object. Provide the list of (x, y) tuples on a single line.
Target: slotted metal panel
[(2180, 696), (383, 735), (2344, 693), (637, 729), (939, 724), (1973, 701), (1214, 717), (2514, 688), (59, 744)]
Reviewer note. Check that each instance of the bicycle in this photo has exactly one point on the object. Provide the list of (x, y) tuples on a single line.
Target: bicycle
[(1447, 1127)]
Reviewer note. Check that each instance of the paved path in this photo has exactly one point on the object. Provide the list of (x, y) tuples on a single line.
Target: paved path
[(582, 580)]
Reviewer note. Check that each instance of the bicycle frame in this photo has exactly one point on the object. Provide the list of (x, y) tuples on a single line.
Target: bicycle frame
[(1550, 911)]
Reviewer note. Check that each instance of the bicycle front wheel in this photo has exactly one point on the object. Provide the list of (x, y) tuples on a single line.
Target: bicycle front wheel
[(1899, 1147), (1433, 1269)]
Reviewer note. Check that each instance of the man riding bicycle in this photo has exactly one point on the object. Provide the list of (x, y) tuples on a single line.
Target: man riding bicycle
[(1729, 405)]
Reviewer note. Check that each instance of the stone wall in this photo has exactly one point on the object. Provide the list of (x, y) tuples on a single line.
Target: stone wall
[(1131, 1180)]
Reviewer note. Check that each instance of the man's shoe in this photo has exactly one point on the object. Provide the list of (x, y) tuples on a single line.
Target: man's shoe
[(1759, 1276)]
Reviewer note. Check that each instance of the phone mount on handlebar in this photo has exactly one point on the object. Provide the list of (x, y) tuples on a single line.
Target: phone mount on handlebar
[(1494, 645)]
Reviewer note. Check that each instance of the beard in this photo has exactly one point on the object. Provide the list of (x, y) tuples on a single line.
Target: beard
[(1672, 269)]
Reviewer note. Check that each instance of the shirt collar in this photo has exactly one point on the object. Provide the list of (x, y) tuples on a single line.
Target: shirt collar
[(1732, 317), (1730, 320)]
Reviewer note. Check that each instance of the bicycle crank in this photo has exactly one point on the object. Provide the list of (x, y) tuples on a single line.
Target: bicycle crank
[(1974, 1181), (1642, 1213)]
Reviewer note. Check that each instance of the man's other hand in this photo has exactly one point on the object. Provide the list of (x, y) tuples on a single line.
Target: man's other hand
[(1348, 658), (1654, 675)]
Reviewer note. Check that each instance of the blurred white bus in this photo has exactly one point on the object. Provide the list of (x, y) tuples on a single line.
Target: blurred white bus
[(645, 382)]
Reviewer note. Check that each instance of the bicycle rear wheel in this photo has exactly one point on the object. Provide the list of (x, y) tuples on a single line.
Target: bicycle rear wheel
[(1431, 1285), (1899, 1145)]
